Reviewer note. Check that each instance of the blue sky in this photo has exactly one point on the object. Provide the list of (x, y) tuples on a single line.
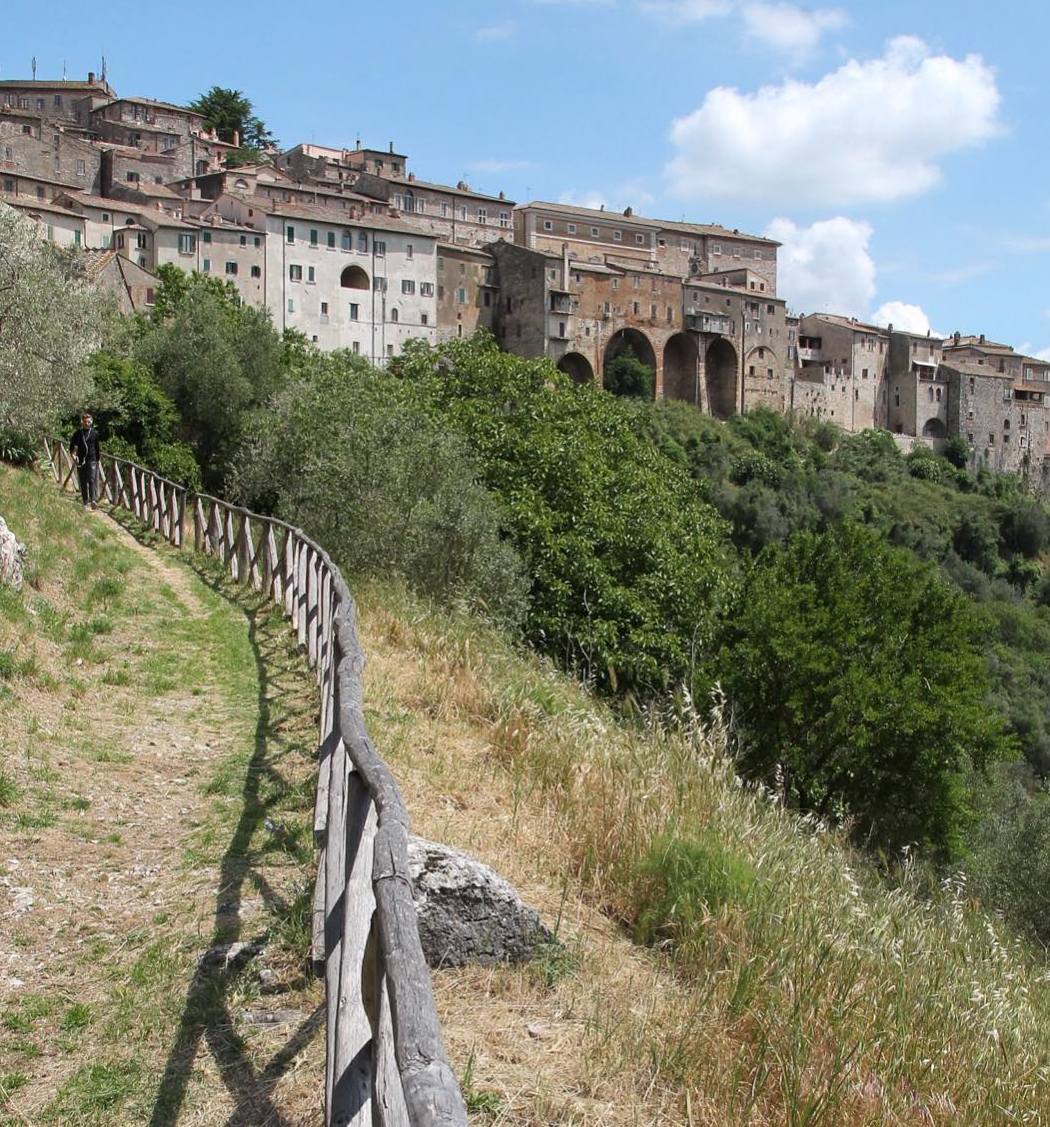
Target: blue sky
[(898, 149)]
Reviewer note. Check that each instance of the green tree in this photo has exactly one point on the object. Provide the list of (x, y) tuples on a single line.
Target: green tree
[(859, 688), (629, 566), (1025, 527), (216, 359), (50, 321), (977, 541), (230, 113), (629, 376), (957, 451)]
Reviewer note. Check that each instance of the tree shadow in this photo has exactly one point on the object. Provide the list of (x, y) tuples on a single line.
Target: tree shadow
[(286, 718)]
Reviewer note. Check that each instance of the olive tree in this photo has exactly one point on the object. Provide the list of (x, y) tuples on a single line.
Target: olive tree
[(50, 322)]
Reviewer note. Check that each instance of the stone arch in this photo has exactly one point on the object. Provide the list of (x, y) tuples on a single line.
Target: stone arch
[(681, 365), (577, 367), (637, 342), (353, 278), (720, 375), (933, 428)]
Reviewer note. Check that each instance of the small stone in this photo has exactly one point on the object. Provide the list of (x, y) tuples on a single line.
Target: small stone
[(538, 1032), (228, 956), (271, 1017)]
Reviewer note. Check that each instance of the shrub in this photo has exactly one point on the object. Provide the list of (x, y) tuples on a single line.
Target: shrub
[(872, 455), (859, 687), (957, 451), (17, 446), (1025, 527), (976, 540), (354, 458)]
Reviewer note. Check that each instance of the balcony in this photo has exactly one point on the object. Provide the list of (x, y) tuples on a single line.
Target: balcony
[(561, 303), (814, 355), (708, 323)]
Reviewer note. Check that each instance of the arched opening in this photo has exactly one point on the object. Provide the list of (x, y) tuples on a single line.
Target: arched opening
[(577, 368), (720, 378), (353, 278), (681, 363), (626, 355), (933, 428)]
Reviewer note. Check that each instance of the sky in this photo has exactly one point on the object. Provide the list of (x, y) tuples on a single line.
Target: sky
[(898, 150)]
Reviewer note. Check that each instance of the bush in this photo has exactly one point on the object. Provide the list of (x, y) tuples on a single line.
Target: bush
[(17, 447), (859, 687), (976, 540), (872, 455), (629, 566), (1025, 528), (353, 457), (627, 375), (957, 451)]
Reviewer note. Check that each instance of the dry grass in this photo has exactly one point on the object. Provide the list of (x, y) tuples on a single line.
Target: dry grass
[(783, 982)]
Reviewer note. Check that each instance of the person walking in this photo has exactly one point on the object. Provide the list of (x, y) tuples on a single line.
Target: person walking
[(85, 449)]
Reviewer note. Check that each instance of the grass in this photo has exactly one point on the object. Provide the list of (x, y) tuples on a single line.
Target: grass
[(790, 983)]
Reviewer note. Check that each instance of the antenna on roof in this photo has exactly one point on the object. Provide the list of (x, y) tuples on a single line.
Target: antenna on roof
[(63, 70), (103, 68), (33, 64)]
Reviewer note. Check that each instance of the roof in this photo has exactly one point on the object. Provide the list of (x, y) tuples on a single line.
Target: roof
[(452, 191), (642, 221), (105, 202), (27, 203), (304, 211), (461, 248), (45, 84), (159, 105), (849, 323)]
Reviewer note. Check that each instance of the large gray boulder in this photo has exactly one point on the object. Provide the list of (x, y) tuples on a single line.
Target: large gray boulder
[(11, 555), (466, 912)]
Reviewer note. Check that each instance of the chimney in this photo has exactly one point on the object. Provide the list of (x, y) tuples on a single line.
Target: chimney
[(982, 338), (91, 78), (391, 146), (628, 212), (889, 327), (411, 177), (236, 139), (503, 195)]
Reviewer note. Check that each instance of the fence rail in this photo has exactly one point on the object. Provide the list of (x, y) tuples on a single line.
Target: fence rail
[(385, 1064)]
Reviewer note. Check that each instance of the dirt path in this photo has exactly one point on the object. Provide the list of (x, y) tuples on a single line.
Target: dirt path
[(157, 813)]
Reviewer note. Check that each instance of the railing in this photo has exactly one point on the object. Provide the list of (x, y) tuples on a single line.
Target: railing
[(385, 1063)]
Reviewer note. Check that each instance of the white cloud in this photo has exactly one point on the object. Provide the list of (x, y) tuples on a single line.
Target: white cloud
[(825, 267), (1027, 349), (788, 28), (953, 276), (1028, 244), (870, 130), (901, 315), (495, 33)]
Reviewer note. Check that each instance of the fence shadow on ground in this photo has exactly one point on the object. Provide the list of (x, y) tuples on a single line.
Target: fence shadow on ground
[(286, 724)]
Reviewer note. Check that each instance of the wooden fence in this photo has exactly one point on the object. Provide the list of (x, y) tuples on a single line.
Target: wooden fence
[(385, 1063)]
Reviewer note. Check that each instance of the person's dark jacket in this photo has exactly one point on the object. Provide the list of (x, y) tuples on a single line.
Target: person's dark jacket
[(84, 445)]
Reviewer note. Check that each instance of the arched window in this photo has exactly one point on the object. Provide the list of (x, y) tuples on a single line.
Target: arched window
[(353, 278), (348, 240), (394, 314)]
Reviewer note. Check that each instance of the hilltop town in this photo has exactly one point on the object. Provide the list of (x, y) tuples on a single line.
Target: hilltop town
[(354, 251)]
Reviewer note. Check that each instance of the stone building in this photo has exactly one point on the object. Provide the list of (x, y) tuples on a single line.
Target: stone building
[(44, 151), (917, 387), (132, 288), (467, 293), (67, 101), (841, 373), (55, 223)]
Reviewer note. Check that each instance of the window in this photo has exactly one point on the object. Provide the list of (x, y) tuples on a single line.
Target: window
[(244, 240), (205, 236), (291, 305), (9, 185), (424, 319), (313, 236), (408, 250), (594, 232), (716, 248), (616, 283), (504, 219), (639, 238), (571, 228), (548, 225), (378, 284), (150, 295), (426, 289), (330, 238), (483, 215), (617, 236), (256, 272), (310, 274), (58, 102), (295, 273), (231, 269), (379, 247), (324, 308), (131, 177), (81, 167), (394, 315), (355, 347), (289, 234), (461, 296), (187, 244), (76, 238), (408, 286), (258, 239), (355, 311), (140, 240)]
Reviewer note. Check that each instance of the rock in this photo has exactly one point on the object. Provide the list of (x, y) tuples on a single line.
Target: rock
[(466, 912), (272, 1017), (12, 553), (229, 956)]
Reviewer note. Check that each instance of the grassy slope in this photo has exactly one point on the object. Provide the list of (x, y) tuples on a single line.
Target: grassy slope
[(783, 983), (142, 748)]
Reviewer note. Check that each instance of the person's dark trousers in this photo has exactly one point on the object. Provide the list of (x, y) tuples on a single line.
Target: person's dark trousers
[(88, 473)]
